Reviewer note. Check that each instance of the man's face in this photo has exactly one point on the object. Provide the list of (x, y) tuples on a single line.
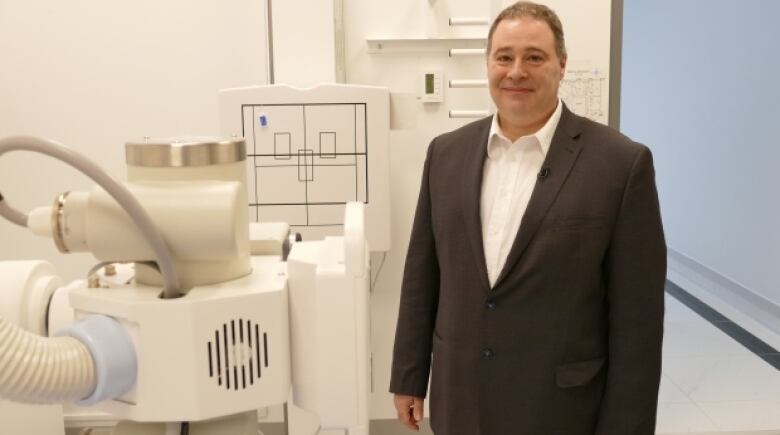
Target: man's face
[(524, 71)]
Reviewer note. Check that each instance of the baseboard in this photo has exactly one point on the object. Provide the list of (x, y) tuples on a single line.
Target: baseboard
[(752, 311)]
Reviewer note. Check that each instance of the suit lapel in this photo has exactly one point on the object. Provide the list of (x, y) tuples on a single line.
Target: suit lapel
[(472, 188), (563, 152)]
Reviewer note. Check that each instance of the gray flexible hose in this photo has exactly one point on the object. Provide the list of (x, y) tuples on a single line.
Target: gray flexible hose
[(11, 214), (122, 196)]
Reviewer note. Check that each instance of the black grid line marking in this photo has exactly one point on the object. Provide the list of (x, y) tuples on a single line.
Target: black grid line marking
[(354, 149), (307, 165), (253, 154), (286, 204), (319, 165), (328, 144), (308, 158), (306, 186), (283, 146), (337, 155)]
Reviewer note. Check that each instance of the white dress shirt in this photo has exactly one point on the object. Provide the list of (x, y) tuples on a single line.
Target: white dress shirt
[(509, 177)]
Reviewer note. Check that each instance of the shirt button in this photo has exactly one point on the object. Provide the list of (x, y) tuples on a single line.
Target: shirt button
[(490, 305), (487, 354)]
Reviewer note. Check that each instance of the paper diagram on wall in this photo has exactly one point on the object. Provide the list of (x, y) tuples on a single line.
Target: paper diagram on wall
[(310, 151), (586, 93), (308, 160)]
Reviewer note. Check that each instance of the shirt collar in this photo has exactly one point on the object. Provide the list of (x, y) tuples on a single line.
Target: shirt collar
[(544, 135)]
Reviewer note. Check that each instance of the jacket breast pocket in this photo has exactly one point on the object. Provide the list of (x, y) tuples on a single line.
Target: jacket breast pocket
[(578, 373), (580, 223)]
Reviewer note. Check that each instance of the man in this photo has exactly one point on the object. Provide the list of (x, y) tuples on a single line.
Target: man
[(533, 287)]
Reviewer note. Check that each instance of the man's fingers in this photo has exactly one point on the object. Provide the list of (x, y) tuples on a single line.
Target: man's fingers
[(417, 404), (406, 408), (405, 417)]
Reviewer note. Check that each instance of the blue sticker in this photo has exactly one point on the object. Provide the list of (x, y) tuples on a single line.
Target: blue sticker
[(263, 120)]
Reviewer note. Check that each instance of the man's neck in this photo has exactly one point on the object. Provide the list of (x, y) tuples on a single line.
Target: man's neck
[(517, 128)]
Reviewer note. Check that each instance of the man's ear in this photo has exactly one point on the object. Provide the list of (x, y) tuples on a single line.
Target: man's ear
[(563, 66)]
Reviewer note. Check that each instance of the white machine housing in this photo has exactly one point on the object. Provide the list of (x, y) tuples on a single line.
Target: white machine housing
[(218, 350), (330, 327)]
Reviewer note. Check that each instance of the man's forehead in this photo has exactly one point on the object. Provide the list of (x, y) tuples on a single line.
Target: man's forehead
[(523, 32)]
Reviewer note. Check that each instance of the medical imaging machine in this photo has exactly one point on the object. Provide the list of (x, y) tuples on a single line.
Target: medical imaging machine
[(190, 321)]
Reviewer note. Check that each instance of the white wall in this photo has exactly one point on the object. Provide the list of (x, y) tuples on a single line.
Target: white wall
[(303, 42), (700, 87), (95, 74)]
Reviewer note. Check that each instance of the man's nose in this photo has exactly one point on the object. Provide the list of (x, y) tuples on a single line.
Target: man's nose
[(517, 70)]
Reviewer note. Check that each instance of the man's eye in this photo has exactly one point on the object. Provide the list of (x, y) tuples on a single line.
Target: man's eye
[(535, 58), (503, 59)]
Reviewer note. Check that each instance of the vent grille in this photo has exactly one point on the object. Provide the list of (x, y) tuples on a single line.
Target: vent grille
[(237, 354)]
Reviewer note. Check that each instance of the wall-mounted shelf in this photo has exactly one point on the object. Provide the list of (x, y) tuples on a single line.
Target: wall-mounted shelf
[(468, 113), (423, 45), (480, 83), (469, 21), (467, 52)]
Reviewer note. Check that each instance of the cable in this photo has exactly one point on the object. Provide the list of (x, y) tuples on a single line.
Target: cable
[(12, 215), (379, 270), (122, 196), (98, 266)]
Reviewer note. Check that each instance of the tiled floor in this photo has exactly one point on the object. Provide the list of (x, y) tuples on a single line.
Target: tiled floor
[(713, 384)]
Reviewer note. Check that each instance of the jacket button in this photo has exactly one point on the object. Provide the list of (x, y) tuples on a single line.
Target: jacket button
[(487, 354), (490, 305)]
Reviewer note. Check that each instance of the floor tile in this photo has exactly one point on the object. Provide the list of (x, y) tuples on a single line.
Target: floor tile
[(670, 393), (682, 418), (736, 378), (747, 415), (698, 338)]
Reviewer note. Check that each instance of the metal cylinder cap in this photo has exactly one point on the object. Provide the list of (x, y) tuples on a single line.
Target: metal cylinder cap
[(185, 151)]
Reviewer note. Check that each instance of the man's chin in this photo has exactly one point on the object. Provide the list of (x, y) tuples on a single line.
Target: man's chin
[(515, 106)]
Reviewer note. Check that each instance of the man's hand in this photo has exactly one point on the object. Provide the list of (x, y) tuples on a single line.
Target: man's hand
[(409, 409)]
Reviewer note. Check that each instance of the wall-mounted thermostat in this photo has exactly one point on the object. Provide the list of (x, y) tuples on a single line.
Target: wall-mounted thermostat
[(432, 89)]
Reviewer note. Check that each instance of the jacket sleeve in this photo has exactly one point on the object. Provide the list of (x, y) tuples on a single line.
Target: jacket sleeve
[(635, 274), (419, 300)]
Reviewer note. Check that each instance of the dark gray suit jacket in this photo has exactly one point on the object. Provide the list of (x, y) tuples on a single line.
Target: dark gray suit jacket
[(568, 341)]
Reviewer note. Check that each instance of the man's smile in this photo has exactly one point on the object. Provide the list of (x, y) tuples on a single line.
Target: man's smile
[(517, 89)]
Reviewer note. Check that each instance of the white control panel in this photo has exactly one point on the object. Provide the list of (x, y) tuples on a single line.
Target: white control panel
[(432, 90)]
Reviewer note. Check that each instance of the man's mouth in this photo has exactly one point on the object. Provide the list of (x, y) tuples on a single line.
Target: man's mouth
[(517, 89)]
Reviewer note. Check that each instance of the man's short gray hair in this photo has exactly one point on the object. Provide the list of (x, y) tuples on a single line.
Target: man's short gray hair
[(537, 12)]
